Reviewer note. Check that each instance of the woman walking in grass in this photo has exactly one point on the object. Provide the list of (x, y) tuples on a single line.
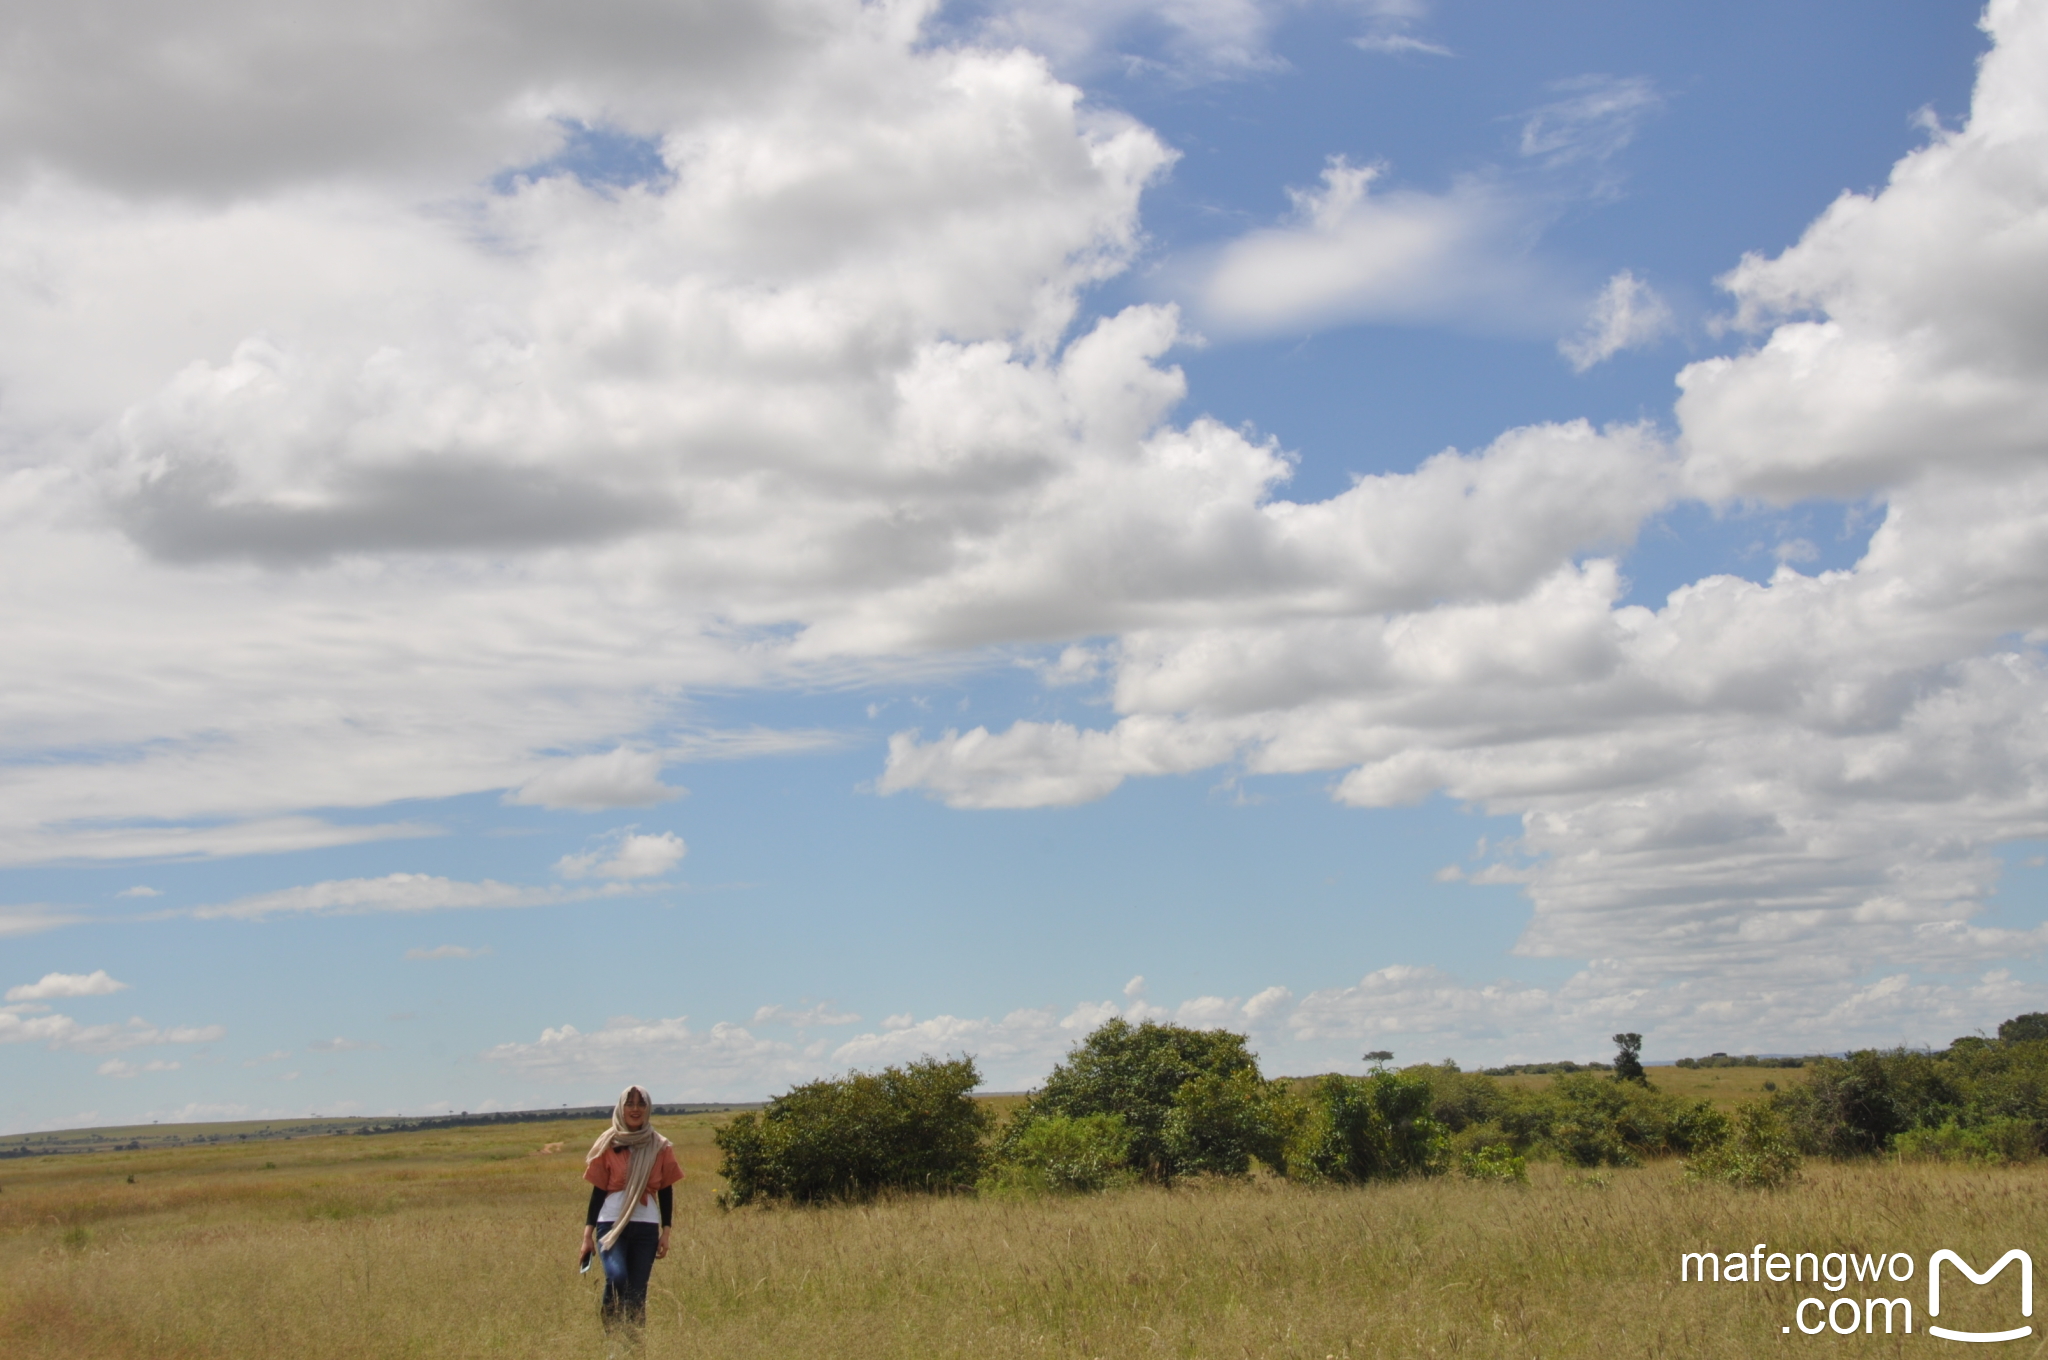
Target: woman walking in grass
[(632, 1172)]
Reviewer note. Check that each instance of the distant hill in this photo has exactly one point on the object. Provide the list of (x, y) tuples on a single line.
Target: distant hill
[(135, 1137)]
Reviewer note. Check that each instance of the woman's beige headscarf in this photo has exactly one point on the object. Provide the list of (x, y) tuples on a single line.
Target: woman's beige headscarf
[(646, 1146)]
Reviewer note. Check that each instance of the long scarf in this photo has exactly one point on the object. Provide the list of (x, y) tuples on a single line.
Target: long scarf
[(645, 1146)]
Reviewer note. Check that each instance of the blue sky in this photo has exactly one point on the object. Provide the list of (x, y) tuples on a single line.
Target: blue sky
[(715, 544)]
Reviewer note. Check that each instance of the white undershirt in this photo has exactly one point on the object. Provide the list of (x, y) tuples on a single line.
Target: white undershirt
[(645, 1212)]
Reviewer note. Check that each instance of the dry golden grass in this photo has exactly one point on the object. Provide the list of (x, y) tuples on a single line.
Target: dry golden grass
[(461, 1243)]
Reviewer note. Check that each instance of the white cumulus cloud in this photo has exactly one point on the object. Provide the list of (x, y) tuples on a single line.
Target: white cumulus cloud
[(1755, 800), (812, 398), (626, 855), (52, 986), (761, 394)]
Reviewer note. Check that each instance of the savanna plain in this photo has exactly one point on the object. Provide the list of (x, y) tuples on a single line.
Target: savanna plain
[(462, 1242)]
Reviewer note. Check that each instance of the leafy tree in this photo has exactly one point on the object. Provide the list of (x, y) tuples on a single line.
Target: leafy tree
[(1219, 1123), (2024, 1028), (907, 1128), (1192, 1100), (1368, 1128), (1628, 1059)]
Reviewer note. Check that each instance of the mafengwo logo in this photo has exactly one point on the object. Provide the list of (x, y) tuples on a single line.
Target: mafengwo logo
[(1861, 1309)]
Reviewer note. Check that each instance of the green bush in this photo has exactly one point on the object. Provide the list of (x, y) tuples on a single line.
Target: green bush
[(1996, 1140), (1980, 1099), (1368, 1128), (1585, 1120), (1855, 1106), (1063, 1154), (1600, 1123), (1496, 1162), (1696, 1126), (1757, 1154), (905, 1128), (1462, 1100), (1192, 1100)]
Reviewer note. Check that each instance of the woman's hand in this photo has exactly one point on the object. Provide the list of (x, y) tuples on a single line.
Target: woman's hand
[(589, 1241), (661, 1248)]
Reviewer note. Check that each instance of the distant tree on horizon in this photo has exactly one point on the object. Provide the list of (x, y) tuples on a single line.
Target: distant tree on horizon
[(1628, 1059)]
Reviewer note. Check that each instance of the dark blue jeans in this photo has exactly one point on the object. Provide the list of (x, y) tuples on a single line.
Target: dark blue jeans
[(626, 1268)]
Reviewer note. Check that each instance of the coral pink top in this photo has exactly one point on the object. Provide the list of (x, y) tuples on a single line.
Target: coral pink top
[(608, 1172)]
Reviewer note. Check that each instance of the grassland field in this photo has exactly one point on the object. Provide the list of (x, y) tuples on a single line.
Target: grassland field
[(462, 1242)]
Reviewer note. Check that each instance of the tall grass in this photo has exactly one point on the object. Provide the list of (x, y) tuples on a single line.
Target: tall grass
[(462, 1244)]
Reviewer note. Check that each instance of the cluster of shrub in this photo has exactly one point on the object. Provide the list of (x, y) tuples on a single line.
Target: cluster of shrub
[(1977, 1100), (1160, 1103), (1145, 1102), (1746, 1060)]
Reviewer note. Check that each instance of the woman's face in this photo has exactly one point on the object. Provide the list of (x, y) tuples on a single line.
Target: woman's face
[(636, 1112)]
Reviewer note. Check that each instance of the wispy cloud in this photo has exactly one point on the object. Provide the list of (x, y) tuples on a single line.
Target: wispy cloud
[(618, 778), (259, 836), (33, 920), (1592, 120), (448, 951), (1395, 44), (119, 1067), (820, 1014), (394, 893), (56, 985), (63, 1032), (1359, 248), (1354, 253), (340, 1045), (1628, 314)]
